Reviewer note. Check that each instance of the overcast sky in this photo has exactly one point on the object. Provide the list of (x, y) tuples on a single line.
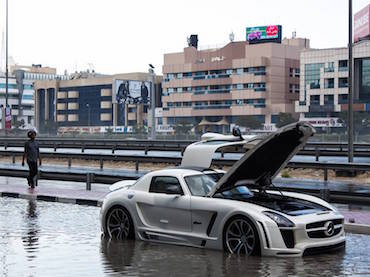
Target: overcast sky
[(118, 36)]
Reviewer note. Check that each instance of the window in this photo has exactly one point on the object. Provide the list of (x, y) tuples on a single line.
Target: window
[(329, 83), (328, 99), (342, 98), (315, 100), (290, 88), (239, 71), (291, 72), (199, 185), (343, 65), (165, 184), (179, 76), (296, 89), (343, 82)]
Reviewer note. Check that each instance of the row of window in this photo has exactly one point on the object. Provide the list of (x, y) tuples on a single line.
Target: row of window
[(212, 74), (44, 76), (216, 88), (15, 86), (217, 104)]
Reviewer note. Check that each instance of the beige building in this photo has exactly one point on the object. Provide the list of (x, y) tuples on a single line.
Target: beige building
[(212, 88), (89, 100)]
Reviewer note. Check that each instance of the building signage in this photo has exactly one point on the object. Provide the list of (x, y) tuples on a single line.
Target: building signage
[(8, 118), (217, 59), (362, 24), (324, 122), (261, 34), (131, 92)]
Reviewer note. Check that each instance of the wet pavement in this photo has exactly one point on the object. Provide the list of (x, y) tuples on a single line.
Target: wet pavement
[(39, 238)]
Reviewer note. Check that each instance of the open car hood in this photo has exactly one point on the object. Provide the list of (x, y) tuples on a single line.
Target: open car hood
[(265, 160)]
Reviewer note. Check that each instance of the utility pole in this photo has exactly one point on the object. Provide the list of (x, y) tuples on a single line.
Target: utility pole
[(350, 85)]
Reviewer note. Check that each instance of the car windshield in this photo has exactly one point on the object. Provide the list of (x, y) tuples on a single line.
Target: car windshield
[(200, 185)]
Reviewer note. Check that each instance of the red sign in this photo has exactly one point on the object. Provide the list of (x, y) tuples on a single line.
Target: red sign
[(361, 23), (271, 30), (8, 118)]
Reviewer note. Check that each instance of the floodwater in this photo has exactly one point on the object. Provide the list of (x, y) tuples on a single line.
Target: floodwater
[(52, 239)]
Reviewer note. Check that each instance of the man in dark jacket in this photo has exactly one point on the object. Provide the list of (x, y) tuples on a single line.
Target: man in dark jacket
[(32, 153)]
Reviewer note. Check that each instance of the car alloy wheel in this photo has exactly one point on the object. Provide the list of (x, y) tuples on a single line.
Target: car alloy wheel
[(119, 224), (240, 237)]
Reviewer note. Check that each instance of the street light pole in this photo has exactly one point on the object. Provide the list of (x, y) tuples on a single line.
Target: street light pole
[(6, 58), (88, 114), (350, 85), (152, 100)]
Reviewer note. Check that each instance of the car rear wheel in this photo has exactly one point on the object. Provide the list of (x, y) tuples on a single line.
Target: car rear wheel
[(119, 224), (241, 237)]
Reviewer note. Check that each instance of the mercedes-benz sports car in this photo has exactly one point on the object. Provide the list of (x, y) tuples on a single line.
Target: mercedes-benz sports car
[(239, 211)]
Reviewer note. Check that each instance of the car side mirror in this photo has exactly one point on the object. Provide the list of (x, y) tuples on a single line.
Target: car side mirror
[(174, 189)]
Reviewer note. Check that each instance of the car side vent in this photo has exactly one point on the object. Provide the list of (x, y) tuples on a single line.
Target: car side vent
[(288, 237)]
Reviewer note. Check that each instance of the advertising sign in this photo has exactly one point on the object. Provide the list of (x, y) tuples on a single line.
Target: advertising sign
[(8, 118), (261, 34), (131, 92), (361, 24), (324, 122)]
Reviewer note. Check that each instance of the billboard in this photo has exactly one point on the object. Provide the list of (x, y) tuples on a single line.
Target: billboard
[(261, 34), (361, 24), (131, 92)]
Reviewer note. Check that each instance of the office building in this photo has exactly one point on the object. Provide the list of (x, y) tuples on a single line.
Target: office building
[(93, 102), (212, 88)]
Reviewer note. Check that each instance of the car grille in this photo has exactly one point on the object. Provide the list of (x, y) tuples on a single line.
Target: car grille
[(319, 229)]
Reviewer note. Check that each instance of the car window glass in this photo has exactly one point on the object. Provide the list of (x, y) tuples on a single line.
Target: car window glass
[(200, 185), (165, 184)]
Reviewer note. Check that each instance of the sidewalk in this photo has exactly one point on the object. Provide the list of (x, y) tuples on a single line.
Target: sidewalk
[(357, 218)]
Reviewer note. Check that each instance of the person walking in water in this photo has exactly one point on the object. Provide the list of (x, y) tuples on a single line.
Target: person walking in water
[(32, 153)]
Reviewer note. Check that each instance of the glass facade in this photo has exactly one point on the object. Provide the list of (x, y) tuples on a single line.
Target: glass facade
[(364, 79), (89, 111), (312, 75)]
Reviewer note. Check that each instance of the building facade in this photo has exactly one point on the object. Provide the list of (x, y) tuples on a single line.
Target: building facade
[(324, 82), (88, 100), (21, 91), (213, 88)]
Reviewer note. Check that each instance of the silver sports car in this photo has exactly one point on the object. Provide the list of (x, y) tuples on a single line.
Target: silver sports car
[(239, 211)]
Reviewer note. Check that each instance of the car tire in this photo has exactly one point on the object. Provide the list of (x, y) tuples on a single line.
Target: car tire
[(119, 224), (240, 237)]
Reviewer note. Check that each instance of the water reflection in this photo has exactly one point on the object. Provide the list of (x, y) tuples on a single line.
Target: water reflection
[(140, 258), (30, 238)]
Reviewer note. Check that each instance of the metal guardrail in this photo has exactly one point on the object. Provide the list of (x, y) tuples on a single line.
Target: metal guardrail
[(219, 162), (90, 176), (311, 148)]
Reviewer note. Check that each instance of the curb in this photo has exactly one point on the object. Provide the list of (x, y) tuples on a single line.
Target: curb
[(357, 228), (48, 198)]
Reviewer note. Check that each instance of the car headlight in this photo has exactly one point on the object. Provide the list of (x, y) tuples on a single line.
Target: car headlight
[(280, 220)]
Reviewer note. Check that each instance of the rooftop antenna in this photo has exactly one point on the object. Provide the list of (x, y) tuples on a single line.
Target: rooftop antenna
[(231, 36)]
